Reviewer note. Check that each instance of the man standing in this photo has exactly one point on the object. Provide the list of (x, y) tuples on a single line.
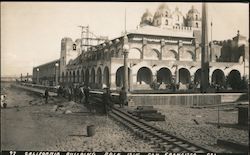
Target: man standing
[(123, 97), (107, 100), (46, 95), (86, 93)]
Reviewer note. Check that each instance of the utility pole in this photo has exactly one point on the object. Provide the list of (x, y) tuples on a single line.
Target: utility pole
[(211, 45), (204, 52)]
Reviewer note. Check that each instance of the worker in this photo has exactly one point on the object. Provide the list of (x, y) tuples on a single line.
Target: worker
[(107, 102), (123, 97), (46, 95)]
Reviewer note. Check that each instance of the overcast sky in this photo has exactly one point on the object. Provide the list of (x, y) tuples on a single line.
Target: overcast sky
[(31, 32)]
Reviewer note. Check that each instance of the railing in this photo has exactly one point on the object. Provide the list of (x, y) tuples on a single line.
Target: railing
[(50, 88)]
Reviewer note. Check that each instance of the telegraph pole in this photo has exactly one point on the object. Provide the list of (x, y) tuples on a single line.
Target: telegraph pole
[(204, 52)]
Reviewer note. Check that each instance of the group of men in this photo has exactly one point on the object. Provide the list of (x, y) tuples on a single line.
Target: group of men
[(81, 94)]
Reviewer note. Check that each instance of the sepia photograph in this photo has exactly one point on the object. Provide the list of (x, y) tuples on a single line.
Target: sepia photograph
[(124, 77)]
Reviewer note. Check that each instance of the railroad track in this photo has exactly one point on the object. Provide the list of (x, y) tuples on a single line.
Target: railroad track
[(161, 139)]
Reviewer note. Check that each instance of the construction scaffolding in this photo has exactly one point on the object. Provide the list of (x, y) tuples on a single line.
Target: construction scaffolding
[(89, 39)]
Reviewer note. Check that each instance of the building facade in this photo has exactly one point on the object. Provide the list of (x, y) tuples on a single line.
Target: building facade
[(164, 50), (47, 74)]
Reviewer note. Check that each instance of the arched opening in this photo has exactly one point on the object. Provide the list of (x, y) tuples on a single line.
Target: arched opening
[(134, 54), (74, 76), (87, 76), (197, 76), (197, 25), (67, 77), (164, 75), (150, 53), (70, 77), (63, 77), (77, 76), (119, 53), (82, 76), (166, 14), (120, 77), (234, 80), (218, 77), (186, 56), (93, 75), (99, 76), (144, 76), (169, 55), (184, 76), (106, 77), (166, 22)]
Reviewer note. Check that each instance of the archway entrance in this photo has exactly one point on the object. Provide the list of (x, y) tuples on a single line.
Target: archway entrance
[(99, 76), (197, 76), (234, 80), (87, 76), (93, 75), (184, 76), (164, 75), (144, 76), (120, 77), (218, 77), (106, 77)]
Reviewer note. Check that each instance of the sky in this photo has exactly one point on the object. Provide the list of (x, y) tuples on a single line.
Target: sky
[(31, 32)]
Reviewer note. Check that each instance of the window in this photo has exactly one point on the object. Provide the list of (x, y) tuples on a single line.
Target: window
[(197, 25), (166, 15), (166, 22), (196, 17)]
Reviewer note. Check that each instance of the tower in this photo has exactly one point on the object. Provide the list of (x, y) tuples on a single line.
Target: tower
[(178, 19), (193, 18), (68, 52), (163, 17), (146, 18)]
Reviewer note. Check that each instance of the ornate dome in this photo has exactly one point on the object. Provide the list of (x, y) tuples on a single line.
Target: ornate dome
[(147, 14), (146, 18), (162, 10), (163, 6), (193, 10)]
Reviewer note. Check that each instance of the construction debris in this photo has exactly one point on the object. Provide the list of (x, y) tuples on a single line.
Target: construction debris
[(147, 113)]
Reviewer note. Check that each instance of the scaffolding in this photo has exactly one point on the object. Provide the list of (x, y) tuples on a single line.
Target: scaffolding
[(89, 39)]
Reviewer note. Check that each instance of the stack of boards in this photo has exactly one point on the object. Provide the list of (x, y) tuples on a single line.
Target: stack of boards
[(148, 113)]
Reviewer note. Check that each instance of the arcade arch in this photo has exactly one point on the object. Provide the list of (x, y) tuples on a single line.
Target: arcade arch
[(169, 55), (186, 55), (93, 75), (234, 79), (120, 76), (87, 76), (184, 76), (82, 75), (151, 54), (197, 76), (106, 76), (144, 75), (164, 75), (218, 77), (63, 77), (77, 76), (134, 53)]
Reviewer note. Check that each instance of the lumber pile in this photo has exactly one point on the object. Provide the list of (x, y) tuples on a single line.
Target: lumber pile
[(147, 113)]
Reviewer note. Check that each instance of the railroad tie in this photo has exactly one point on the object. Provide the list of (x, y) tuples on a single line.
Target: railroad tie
[(176, 149)]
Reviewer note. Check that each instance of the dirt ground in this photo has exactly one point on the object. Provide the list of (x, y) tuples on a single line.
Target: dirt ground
[(200, 125), (29, 124)]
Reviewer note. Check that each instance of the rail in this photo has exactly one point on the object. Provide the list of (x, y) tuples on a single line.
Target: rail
[(162, 139)]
